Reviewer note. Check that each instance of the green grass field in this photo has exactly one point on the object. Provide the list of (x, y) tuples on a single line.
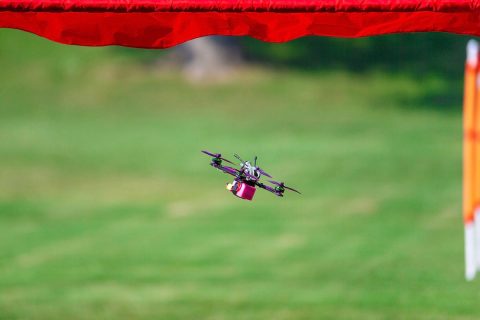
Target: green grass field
[(108, 210)]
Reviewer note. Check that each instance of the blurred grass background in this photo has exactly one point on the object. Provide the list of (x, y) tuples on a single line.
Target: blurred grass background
[(108, 209)]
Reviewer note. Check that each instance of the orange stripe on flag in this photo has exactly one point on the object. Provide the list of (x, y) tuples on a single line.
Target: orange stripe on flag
[(468, 144)]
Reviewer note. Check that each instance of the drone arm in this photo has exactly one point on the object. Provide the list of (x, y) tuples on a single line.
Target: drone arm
[(225, 169), (268, 188)]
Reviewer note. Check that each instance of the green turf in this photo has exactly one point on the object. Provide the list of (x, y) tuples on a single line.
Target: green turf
[(109, 211)]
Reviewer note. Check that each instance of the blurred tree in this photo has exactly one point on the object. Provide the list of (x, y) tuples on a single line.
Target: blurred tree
[(211, 57), (415, 52)]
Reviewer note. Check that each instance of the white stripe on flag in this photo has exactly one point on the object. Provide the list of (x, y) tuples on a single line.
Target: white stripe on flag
[(470, 263), (476, 224)]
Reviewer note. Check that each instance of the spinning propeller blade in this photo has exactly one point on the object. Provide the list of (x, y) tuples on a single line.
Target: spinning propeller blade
[(282, 185), (211, 154), (226, 160), (217, 155), (263, 172), (259, 169)]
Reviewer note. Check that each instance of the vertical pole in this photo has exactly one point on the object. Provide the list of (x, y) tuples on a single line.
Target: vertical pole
[(468, 154), (476, 168)]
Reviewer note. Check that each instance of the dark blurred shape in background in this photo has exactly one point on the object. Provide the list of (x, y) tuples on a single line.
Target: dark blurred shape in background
[(212, 57), (417, 53), (424, 56), (431, 53)]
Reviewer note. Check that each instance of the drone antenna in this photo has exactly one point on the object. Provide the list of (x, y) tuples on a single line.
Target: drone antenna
[(238, 157), (255, 162)]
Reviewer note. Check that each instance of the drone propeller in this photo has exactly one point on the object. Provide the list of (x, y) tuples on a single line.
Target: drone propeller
[(283, 186), (217, 156), (263, 172)]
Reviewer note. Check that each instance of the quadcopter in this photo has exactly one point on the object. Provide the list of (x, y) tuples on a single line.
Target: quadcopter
[(247, 177)]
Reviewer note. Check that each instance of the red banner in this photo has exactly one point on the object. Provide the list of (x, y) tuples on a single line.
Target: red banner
[(162, 23)]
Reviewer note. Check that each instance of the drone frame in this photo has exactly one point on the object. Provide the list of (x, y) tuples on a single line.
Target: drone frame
[(243, 176)]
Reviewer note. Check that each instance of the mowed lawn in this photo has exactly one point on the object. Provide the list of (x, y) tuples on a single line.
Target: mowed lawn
[(108, 210)]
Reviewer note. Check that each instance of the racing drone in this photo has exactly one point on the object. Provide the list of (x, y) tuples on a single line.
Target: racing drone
[(247, 177)]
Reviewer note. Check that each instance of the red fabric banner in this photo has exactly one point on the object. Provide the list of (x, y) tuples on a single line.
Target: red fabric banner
[(164, 23)]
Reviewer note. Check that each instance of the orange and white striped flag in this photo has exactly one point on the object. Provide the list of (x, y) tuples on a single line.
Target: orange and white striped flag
[(471, 155)]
